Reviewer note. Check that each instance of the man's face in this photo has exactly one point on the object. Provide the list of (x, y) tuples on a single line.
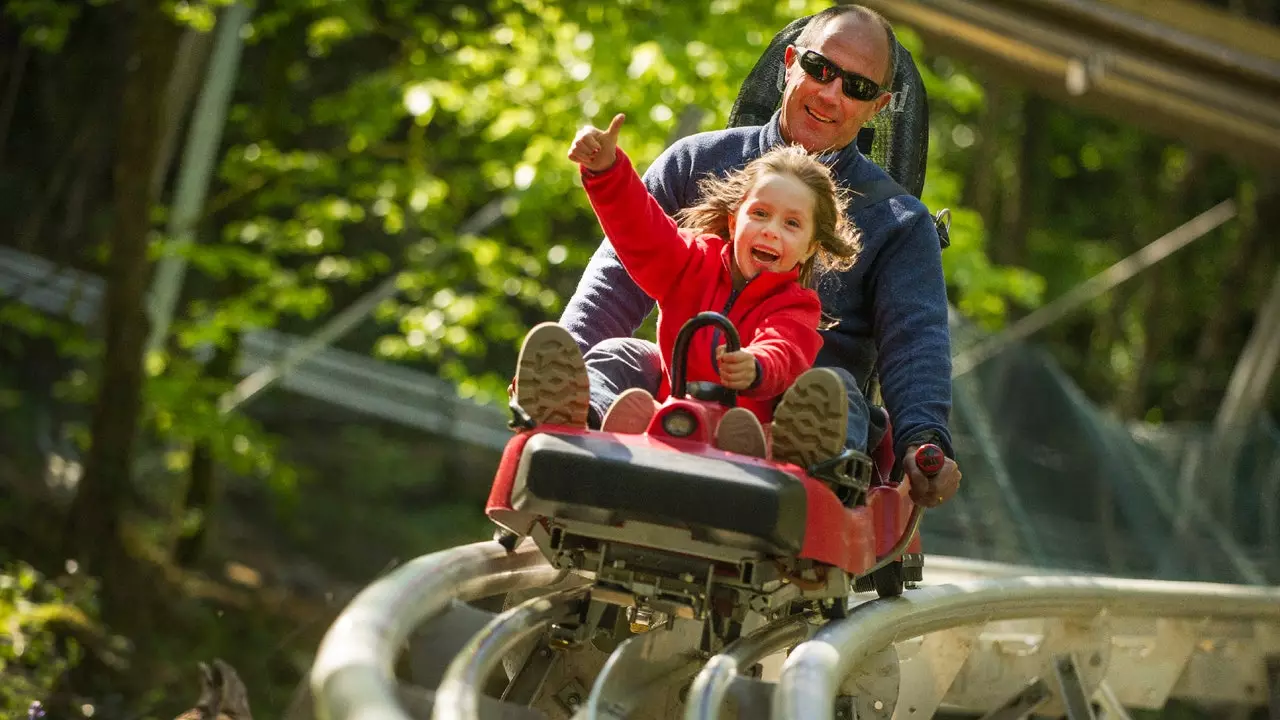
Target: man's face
[(822, 117)]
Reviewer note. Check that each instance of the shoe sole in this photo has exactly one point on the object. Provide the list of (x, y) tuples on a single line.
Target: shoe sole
[(741, 432), (551, 378), (630, 413), (811, 421)]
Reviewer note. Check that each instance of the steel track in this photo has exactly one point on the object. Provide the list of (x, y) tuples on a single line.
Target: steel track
[(1124, 643)]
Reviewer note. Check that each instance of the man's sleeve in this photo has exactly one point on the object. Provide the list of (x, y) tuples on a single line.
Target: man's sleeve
[(912, 337), (607, 302)]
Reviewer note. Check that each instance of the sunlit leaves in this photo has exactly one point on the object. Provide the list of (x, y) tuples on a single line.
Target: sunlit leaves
[(197, 14), (41, 618), (478, 102), (185, 404)]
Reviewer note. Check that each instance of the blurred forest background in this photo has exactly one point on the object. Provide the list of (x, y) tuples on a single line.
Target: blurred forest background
[(360, 136)]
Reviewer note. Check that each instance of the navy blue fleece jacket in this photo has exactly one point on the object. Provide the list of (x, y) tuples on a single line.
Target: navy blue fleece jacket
[(891, 305)]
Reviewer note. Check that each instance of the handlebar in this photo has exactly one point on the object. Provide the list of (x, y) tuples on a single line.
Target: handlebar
[(679, 354), (930, 459)]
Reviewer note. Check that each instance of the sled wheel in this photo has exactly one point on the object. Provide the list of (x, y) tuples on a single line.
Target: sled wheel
[(888, 580)]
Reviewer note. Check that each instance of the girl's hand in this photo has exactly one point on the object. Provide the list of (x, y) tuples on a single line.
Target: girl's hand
[(737, 369), (596, 149)]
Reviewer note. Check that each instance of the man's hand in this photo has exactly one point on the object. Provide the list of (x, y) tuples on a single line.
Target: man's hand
[(931, 491), (596, 149), (737, 369)]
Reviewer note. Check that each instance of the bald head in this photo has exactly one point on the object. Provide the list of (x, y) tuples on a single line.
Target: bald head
[(855, 18)]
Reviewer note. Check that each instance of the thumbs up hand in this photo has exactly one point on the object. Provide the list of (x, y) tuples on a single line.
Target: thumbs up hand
[(596, 149)]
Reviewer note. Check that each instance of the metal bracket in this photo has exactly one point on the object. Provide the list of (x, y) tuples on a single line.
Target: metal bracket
[(1035, 694), (875, 685), (527, 683), (750, 698), (1071, 688), (846, 708), (572, 696)]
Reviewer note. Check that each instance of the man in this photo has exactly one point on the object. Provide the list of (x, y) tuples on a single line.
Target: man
[(891, 306)]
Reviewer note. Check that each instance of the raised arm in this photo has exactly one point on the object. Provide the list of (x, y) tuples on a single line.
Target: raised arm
[(646, 239), (607, 302)]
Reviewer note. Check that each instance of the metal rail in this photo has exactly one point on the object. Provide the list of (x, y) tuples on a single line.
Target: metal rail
[(459, 695), (813, 672), (353, 673), (707, 694), (353, 677)]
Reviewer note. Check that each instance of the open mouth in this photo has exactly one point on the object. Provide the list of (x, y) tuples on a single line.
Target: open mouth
[(764, 256), (818, 116)]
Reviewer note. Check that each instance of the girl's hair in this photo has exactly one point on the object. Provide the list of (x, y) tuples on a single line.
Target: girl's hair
[(837, 239)]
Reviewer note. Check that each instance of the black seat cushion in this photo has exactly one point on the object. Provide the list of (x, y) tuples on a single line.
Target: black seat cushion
[(603, 480)]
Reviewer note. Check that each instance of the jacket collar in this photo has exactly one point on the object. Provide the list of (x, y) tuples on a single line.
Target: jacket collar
[(841, 162)]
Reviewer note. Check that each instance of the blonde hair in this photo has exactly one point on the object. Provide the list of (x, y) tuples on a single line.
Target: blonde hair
[(837, 239)]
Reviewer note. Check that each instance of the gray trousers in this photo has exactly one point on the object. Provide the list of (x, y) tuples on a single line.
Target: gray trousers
[(617, 364)]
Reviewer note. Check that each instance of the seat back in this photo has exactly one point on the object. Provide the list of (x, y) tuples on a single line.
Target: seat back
[(897, 139)]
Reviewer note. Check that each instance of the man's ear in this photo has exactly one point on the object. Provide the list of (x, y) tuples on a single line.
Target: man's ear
[(733, 221), (789, 55), (882, 102)]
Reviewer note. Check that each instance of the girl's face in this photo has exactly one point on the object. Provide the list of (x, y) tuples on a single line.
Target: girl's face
[(772, 230)]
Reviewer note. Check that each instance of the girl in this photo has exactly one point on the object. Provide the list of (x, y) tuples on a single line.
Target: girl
[(749, 250)]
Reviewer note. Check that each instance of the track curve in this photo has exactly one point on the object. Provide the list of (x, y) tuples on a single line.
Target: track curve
[(943, 639)]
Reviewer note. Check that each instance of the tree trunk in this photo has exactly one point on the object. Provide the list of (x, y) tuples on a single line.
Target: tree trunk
[(980, 192), (11, 87), (1018, 207), (1161, 292), (93, 527), (202, 488), (1247, 273)]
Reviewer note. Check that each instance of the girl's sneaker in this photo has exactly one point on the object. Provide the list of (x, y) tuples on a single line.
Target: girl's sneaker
[(551, 379), (809, 424), (630, 413), (740, 432)]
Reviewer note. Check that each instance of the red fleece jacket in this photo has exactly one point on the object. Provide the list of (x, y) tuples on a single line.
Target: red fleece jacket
[(688, 273)]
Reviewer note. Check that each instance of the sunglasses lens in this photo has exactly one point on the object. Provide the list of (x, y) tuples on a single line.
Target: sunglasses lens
[(817, 67), (821, 69), (860, 88)]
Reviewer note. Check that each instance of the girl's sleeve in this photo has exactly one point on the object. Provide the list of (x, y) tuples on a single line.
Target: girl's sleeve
[(785, 345), (647, 240)]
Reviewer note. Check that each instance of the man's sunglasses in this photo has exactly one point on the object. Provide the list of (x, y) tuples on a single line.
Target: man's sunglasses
[(858, 87)]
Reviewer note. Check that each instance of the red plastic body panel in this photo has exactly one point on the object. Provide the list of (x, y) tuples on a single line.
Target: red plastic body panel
[(848, 538), (834, 534), (891, 506)]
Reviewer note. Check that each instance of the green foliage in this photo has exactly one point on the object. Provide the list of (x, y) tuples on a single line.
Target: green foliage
[(46, 23), (32, 656), (199, 15), (453, 111), (183, 404), (24, 324), (983, 290)]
